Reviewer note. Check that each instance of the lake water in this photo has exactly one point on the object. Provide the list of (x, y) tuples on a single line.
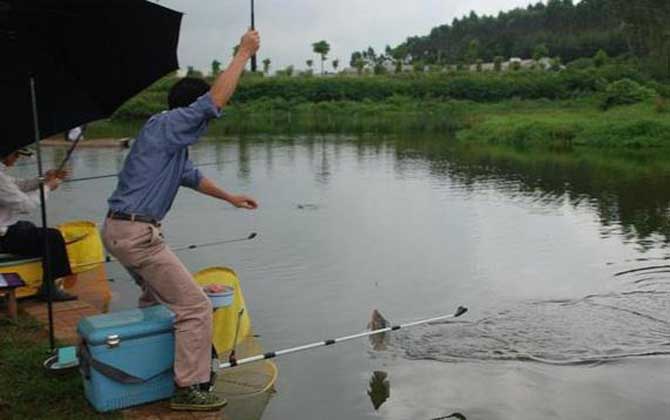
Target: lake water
[(560, 256)]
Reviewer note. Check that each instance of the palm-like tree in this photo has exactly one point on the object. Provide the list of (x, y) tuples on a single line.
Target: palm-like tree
[(216, 67), (310, 64), (266, 65), (359, 64), (336, 64), (322, 48)]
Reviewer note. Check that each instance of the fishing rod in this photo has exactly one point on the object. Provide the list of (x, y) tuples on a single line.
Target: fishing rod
[(273, 354), (68, 155), (457, 416), (110, 259), (251, 236), (254, 65), (91, 178)]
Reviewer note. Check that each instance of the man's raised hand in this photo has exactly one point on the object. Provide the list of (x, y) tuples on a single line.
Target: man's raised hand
[(250, 43)]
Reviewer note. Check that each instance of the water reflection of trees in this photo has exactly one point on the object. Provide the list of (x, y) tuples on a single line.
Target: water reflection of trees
[(243, 168), (628, 190)]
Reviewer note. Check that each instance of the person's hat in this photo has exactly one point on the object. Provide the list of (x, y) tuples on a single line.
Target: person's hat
[(24, 151)]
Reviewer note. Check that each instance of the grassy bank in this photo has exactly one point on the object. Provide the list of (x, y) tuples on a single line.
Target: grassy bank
[(568, 123), (26, 391), (609, 106), (561, 123), (277, 116)]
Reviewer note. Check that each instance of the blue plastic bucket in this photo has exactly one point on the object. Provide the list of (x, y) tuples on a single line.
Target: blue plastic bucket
[(222, 299)]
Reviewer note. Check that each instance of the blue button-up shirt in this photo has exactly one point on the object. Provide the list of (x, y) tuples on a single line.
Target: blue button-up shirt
[(158, 162)]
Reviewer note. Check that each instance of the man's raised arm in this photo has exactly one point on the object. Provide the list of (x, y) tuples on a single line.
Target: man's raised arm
[(226, 82)]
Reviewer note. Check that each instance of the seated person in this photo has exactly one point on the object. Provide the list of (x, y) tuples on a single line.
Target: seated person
[(19, 197)]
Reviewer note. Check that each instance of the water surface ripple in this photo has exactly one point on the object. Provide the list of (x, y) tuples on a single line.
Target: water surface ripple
[(594, 329)]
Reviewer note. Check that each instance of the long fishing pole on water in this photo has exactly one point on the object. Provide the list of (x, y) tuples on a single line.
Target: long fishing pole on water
[(91, 178), (273, 354), (110, 259)]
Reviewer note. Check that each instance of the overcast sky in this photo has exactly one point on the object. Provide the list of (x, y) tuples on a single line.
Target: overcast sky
[(289, 27)]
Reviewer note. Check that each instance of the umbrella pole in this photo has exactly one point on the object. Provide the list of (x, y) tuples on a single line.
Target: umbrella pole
[(46, 259)]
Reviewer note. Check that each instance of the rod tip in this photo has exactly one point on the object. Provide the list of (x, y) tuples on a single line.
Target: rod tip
[(253, 235)]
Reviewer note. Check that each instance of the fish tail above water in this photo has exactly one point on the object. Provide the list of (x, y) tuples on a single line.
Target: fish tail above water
[(377, 321)]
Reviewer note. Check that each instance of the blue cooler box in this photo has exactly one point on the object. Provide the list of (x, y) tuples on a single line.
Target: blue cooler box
[(127, 358)]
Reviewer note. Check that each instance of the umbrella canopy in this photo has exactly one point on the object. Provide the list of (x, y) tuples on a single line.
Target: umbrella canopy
[(87, 58)]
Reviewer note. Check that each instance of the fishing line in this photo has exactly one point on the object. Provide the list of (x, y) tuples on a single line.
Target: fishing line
[(91, 178), (251, 236)]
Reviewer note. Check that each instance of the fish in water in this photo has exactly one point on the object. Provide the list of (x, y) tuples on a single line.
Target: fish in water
[(380, 389), (308, 207), (377, 321)]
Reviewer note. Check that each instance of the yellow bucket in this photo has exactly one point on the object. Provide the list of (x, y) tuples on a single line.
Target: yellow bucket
[(225, 318), (83, 245)]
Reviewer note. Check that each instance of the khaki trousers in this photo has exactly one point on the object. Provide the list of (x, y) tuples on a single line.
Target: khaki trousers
[(164, 279)]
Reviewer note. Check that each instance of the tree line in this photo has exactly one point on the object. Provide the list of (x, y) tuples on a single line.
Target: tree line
[(559, 28)]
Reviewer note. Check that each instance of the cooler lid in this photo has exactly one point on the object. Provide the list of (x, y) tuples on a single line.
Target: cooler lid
[(126, 325)]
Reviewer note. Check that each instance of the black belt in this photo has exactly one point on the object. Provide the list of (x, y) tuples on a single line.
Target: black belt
[(133, 218)]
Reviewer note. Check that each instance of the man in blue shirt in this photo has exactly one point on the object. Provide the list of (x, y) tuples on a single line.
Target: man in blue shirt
[(157, 165)]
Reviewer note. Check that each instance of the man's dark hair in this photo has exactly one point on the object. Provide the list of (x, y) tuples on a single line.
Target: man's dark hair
[(186, 91)]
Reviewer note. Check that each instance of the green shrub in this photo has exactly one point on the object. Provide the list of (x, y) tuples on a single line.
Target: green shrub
[(624, 92), (379, 69), (661, 105), (465, 85), (497, 63), (581, 64), (662, 89), (555, 64), (475, 86), (601, 58)]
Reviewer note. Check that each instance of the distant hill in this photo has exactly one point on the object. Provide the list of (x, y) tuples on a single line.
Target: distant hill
[(557, 28), (566, 30)]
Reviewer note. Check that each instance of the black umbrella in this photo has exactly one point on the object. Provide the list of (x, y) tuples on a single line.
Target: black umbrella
[(70, 62), (87, 57)]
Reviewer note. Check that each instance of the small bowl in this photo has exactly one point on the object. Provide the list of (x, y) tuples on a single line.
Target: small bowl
[(221, 299)]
